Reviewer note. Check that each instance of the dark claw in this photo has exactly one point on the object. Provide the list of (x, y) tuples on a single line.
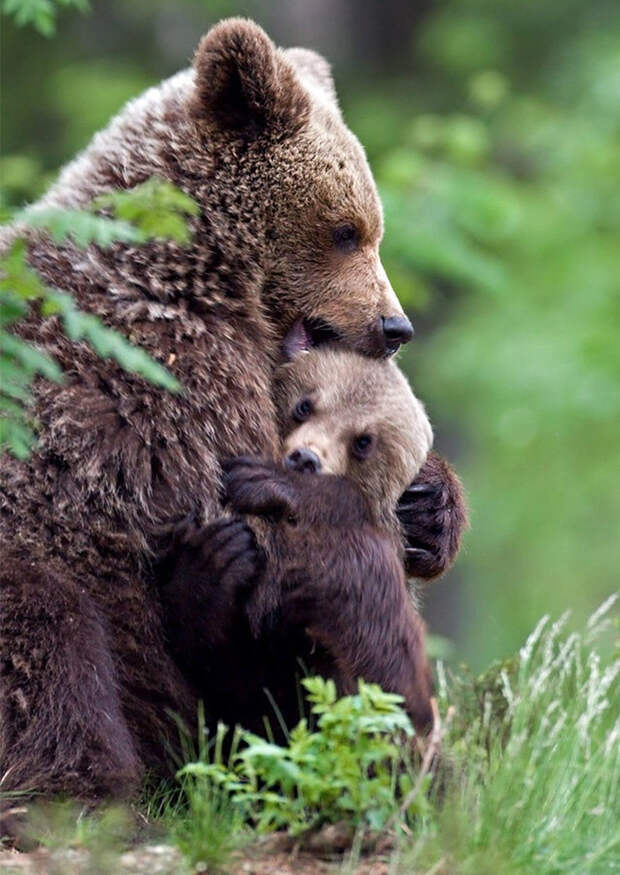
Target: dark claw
[(418, 489), (223, 534), (417, 554), (406, 507), (420, 563), (433, 517)]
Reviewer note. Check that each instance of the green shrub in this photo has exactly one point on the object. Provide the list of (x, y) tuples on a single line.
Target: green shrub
[(353, 767)]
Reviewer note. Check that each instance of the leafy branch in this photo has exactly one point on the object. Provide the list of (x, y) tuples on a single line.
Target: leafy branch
[(154, 209), (40, 14)]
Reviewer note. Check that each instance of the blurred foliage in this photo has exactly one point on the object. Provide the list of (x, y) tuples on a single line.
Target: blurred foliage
[(41, 14), (502, 204), (58, 825), (495, 141)]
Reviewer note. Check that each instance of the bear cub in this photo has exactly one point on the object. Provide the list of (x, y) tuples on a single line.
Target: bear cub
[(311, 577)]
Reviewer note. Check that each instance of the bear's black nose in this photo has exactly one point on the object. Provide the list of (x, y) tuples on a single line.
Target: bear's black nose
[(304, 461), (396, 330)]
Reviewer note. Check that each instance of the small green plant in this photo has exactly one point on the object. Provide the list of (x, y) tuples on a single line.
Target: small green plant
[(206, 826), (352, 768), (154, 209)]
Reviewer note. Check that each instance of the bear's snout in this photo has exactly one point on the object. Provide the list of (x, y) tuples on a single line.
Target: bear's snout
[(303, 461), (396, 330)]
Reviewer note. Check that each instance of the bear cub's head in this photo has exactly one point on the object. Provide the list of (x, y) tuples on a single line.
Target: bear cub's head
[(343, 414), (293, 174)]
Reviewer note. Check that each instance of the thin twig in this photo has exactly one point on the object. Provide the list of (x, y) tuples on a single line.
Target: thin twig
[(436, 867), (432, 748)]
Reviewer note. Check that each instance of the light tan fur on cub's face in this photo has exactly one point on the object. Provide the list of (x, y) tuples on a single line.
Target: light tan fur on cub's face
[(351, 396)]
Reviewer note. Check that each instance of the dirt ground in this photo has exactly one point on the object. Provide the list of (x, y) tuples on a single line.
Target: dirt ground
[(166, 860)]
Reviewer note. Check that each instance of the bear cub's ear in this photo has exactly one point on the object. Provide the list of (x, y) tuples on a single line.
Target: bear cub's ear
[(244, 85)]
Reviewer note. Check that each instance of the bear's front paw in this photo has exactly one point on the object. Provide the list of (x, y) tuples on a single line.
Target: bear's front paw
[(260, 488), (223, 556), (433, 517), (206, 581)]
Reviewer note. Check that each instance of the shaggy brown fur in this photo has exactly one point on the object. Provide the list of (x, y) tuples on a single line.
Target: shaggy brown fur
[(334, 574), (255, 137), (336, 592)]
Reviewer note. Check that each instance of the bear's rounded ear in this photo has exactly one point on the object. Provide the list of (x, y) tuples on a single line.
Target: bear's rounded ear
[(244, 85), (296, 341), (315, 73)]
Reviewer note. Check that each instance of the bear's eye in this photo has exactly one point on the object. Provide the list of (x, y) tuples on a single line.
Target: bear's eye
[(302, 410), (346, 238), (362, 445)]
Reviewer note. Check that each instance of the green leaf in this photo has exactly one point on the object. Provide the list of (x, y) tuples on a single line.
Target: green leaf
[(11, 309), (80, 226), (320, 692), (109, 343), (7, 405), (32, 360), (16, 436), (40, 14), (16, 278), (14, 379), (156, 207)]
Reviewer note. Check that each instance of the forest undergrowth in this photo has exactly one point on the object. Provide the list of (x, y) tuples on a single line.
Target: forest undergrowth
[(520, 774)]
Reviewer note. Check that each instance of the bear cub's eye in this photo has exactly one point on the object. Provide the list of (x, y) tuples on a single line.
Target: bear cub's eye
[(362, 445), (346, 238), (303, 410)]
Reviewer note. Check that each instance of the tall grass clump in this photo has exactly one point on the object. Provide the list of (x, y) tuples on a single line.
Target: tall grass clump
[(206, 826), (537, 769), (200, 818)]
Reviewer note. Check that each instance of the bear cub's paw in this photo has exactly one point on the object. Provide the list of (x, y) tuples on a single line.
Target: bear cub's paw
[(433, 517), (261, 488)]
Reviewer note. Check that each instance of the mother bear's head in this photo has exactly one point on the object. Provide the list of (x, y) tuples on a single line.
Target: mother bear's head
[(272, 117)]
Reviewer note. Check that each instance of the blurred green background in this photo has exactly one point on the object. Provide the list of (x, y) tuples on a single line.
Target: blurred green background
[(493, 128)]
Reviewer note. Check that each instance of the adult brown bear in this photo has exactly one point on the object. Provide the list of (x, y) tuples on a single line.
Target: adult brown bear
[(289, 228)]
